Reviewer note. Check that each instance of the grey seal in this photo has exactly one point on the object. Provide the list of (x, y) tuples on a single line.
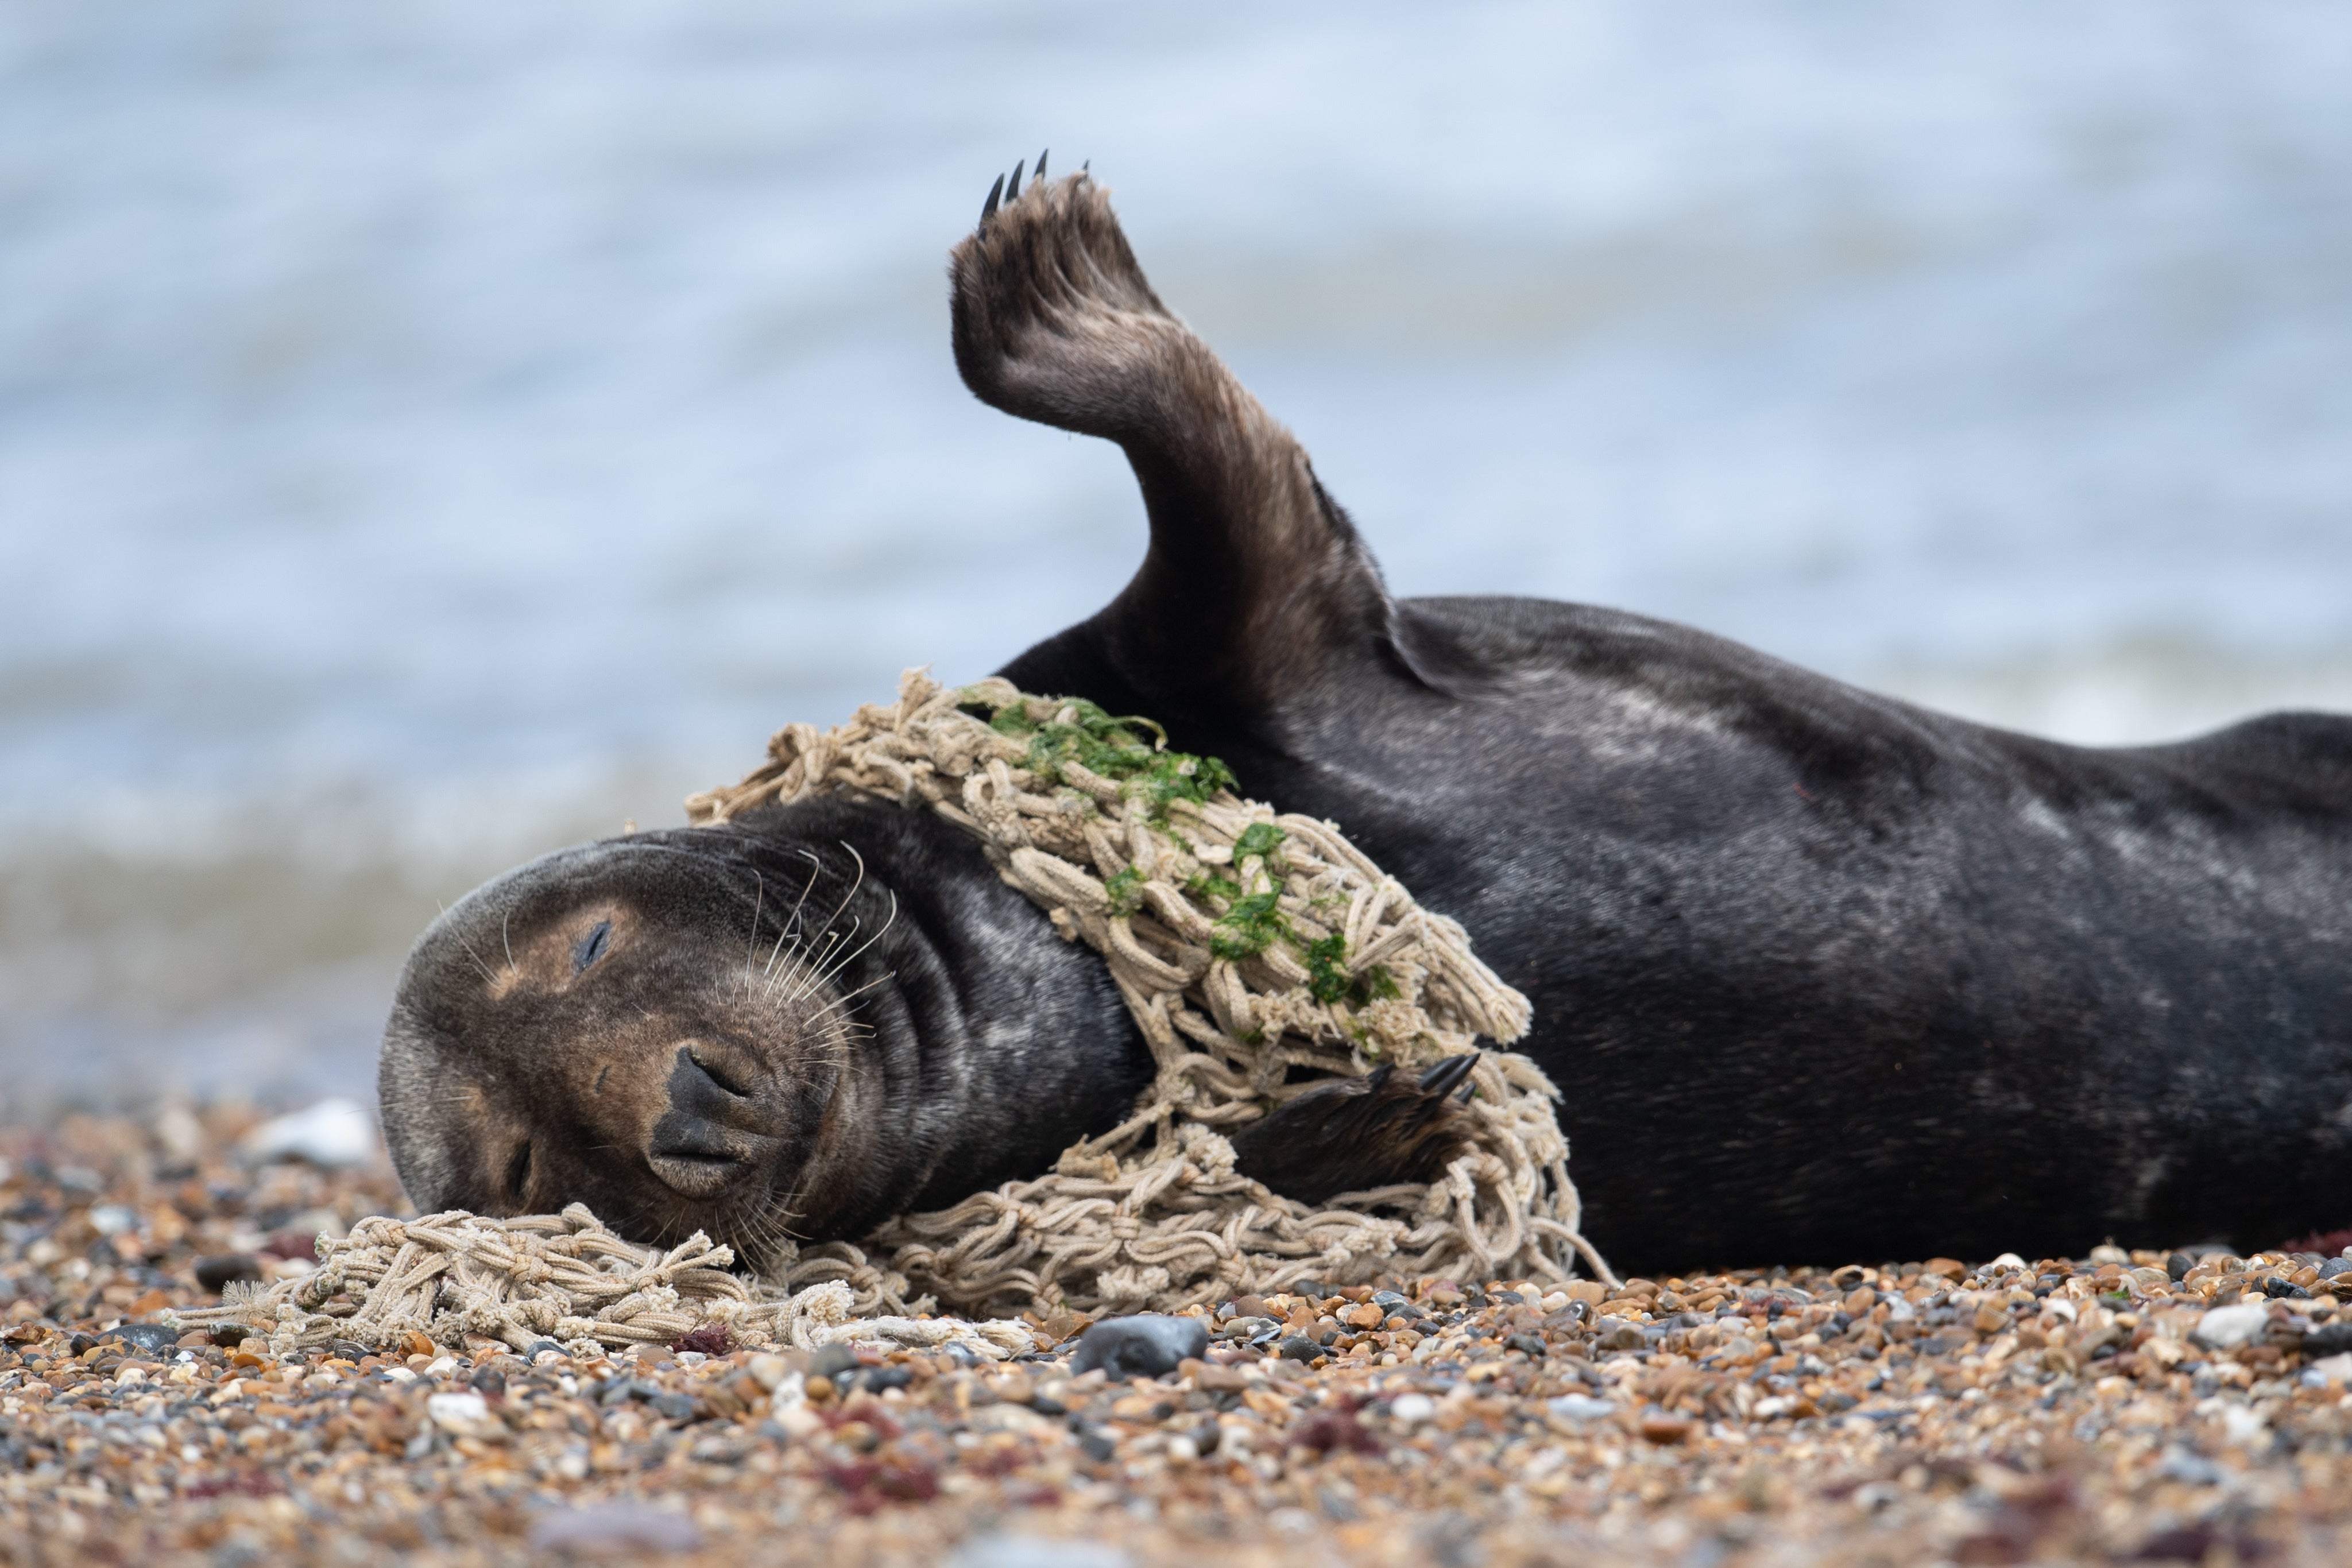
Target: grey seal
[(1822, 975)]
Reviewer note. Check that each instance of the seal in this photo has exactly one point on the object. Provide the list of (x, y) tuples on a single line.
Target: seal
[(1823, 975)]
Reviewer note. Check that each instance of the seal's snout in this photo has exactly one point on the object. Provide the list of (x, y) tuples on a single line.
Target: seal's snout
[(709, 1137)]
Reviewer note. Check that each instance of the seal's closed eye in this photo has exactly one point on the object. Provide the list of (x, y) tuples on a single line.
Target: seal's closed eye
[(591, 947)]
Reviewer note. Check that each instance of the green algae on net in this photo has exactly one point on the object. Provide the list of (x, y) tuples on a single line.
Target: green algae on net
[(1115, 747)]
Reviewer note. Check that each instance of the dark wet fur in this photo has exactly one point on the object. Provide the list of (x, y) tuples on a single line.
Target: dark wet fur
[(1822, 975)]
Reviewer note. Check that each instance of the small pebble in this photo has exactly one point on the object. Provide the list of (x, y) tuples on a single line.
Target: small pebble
[(153, 1338), (617, 1529), (1657, 1426), (2329, 1339), (1147, 1344), (833, 1361), (1036, 1552), (2329, 1371), (461, 1412), (2226, 1328), (1412, 1409), (1580, 1407)]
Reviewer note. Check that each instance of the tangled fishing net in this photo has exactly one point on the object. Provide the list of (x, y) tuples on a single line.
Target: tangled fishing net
[(1261, 953)]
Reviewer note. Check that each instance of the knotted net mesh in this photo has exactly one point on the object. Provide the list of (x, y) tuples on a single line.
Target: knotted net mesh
[(563, 1278), (1262, 954)]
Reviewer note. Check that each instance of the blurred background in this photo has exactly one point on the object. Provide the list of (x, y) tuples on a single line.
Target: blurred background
[(433, 433)]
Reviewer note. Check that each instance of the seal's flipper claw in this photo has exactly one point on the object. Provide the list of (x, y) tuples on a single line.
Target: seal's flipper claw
[(1012, 191), (1041, 165), (988, 210), (1441, 1078)]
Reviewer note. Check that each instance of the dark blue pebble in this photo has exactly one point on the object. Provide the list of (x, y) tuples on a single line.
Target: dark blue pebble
[(874, 1379), (149, 1337), (1149, 1344), (2331, 1339), (833, 1361), (613, 1390)]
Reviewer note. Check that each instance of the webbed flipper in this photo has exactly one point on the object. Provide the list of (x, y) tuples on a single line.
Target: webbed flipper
[(1357, 1134), (1254, 579)]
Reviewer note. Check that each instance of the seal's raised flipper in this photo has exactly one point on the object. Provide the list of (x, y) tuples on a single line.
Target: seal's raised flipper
[(1359, 1133), (1253, 577)]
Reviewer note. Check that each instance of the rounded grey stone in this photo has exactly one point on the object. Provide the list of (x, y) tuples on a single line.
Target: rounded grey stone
[(1147, 1344)]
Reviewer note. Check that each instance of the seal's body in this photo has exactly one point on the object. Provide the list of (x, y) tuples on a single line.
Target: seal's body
[(1823, 975)]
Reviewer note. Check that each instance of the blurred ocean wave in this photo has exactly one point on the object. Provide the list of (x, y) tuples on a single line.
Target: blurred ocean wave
[(430, 436)]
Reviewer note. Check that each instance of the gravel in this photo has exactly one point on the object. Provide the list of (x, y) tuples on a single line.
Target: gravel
[(2056, 1410)]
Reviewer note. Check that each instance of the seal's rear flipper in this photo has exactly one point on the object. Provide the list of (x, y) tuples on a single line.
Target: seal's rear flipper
[(1255, 579), (1359, 1133)]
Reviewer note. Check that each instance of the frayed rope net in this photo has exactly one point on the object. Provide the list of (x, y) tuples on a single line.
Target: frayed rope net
[(457, 1277), (1261, 955)]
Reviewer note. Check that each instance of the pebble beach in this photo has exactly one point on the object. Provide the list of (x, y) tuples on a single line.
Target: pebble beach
[(2140, 1407)]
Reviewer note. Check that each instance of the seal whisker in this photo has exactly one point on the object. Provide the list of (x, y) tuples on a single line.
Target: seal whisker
[(779, 955), (790, 976), (833, 941), (776, 988), (792, 921), (758, 1233), (890, 920), (842, 1001), (768, 1225), (855, 882), (820, 963), (487, 973), (752, 947)]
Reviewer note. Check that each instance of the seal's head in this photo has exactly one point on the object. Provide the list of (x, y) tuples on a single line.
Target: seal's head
[(659, 1026)]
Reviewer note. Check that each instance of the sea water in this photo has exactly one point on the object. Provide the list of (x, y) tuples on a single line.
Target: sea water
[(433, 433)]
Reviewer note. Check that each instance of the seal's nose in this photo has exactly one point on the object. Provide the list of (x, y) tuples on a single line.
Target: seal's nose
[(703, 1141)]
